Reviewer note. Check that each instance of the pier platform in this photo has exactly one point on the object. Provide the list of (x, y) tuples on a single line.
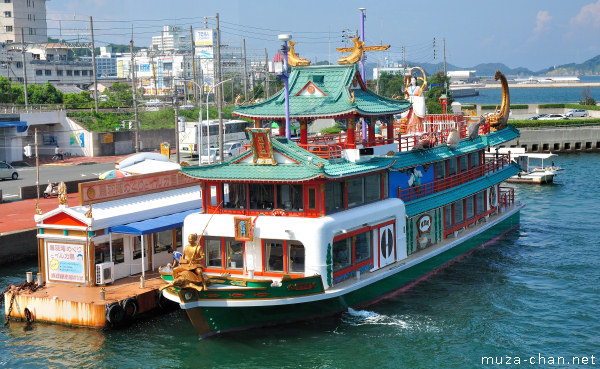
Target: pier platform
[(77, 305)]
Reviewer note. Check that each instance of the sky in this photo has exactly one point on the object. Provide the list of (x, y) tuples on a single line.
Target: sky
[(534, 34)]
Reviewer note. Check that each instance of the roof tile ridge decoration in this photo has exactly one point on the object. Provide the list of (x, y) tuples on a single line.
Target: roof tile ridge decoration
[(295, 152)]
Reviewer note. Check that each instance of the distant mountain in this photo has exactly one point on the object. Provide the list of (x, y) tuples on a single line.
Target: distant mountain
[(587, 68)]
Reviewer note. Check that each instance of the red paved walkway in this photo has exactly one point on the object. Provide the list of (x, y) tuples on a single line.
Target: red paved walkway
[(18, 215)]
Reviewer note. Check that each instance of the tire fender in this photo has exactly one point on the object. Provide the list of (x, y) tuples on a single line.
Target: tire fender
[(115, 314), (130, 307)]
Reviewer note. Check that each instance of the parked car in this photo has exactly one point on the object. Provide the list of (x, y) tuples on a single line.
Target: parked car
[(233, 148), (8, 171), (553, 117), (577, 113), (211, 154), (538, 116)]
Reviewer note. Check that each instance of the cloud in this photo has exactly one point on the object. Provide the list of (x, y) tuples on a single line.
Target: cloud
[(541, 21), (589, 15)]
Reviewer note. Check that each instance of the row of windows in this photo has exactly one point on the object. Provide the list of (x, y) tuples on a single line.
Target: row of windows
[(59, 72), (355, 192), (456, 165), (280, 256), (161, 241), (464, 210)]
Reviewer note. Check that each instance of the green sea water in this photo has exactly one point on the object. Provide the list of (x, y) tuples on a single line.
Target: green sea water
[(533, 294)]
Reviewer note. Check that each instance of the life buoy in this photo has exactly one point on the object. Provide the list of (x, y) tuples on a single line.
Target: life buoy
[(130, 307), (115, 314), (278, 212)]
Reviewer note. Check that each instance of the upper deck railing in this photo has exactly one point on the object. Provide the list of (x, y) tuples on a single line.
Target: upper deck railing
[(489, 166)]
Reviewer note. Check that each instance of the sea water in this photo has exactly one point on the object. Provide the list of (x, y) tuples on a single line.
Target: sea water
[(533, 294), (538, 95)]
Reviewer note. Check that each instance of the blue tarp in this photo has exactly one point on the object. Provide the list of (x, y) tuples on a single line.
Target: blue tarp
[(21, 126), (153, 225)]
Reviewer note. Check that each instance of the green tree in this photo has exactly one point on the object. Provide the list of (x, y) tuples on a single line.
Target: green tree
[(390, 84), (80, 100), (119, 94), (438, 80), (44, 94), (257, 92)]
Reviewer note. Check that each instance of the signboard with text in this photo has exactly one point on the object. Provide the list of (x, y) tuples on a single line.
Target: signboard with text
[(205, 37), (261, 145), (65, 262), (116, 188)]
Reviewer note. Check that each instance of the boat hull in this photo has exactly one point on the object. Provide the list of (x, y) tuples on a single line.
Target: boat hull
[(210, 320), (528, 178)]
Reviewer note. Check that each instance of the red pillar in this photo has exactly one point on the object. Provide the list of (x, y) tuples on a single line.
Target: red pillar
[(303, 131), (257, 123), (350, 135), (371, 132), (281, 128), (390, 129)]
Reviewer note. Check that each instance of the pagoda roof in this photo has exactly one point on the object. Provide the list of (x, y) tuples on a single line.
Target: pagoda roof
[(294, 164), (324, 92)]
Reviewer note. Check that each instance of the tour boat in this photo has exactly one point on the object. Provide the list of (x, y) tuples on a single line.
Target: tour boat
[(531, 173), (293, 230)]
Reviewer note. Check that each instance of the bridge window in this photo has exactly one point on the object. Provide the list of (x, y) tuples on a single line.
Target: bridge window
[(452, 166), (289, 197), (480, 199), (440, 170), (262, 196), (459, 215), (464, 163), (213, 253), (474, 159), (234, 195), (448, 217), (334, 197), (373, 187), (470, 207), (274, 256), (296, 260), (342, 254), (235, 254), (356, 192)]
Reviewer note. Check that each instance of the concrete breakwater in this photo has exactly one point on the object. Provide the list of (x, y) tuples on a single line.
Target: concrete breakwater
[(487, 86), (558, 139)]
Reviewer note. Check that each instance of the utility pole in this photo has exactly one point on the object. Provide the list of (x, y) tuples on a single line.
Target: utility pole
[(219, 91), (378, 76), (134, 90), (185, 85), (37, 165), (194, 69), (176, 108), (444, 44), (266, 74), (94, 66), (24, 69), (245, 73)]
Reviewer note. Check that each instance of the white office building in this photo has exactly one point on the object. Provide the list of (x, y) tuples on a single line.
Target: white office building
[(26, 16)]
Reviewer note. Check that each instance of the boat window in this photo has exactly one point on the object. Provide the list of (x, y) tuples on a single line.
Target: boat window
[(334, 197), (470, 207), (289, 197), (480, 202), (448, 216), (274, 256), (362, 247), (474, 159), (312, 198), (296, 260), (213, 195), (234, 195), (163, 241), (459, 215), (451, 166), (372, 187), (262, 196), (464, 163), (355, 192), (342, 254), (440, 169), (235, 254), (214, 257), (386, 189)]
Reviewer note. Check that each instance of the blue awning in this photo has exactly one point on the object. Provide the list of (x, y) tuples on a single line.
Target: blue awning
[(153, 225), (21, 126)]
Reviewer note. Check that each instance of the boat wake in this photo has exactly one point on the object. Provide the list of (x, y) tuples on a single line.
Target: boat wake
[(365, 317)]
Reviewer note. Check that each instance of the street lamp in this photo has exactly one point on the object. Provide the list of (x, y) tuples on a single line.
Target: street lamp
[(208, 122), (285, 75), (362, 66)]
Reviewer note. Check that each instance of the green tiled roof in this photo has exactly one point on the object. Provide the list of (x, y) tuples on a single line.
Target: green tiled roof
[(335, 82), (408, 159), (306, 169), (456, 193)]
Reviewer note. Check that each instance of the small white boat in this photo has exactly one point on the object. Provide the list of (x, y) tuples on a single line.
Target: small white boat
[(535, 172)]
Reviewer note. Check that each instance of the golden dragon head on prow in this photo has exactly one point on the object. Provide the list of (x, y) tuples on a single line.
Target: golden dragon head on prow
[(499, 119)]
